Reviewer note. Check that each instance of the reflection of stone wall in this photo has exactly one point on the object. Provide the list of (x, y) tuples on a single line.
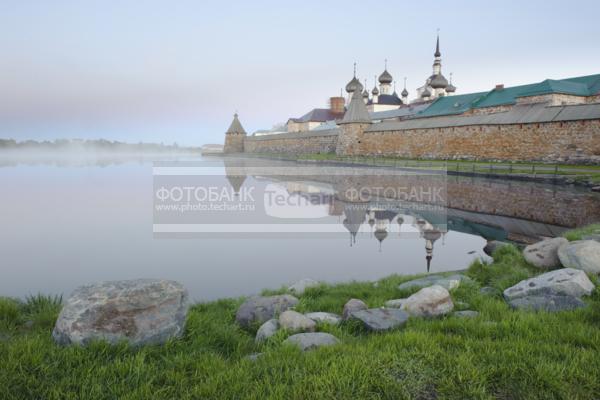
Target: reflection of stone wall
[(293, 143), (555, 141)]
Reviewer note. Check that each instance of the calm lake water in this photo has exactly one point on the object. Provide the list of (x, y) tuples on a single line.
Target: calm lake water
[(71, 221)]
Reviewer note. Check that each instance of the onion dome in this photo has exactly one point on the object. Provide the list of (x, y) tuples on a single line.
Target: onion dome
[(426, 93), (375, 91), (381, 234), (354, 85), (450, 88), (438, 82), (404, 93), (385, 77), (365, 94)]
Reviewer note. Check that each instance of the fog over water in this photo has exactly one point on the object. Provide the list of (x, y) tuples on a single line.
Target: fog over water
[(77, 219)]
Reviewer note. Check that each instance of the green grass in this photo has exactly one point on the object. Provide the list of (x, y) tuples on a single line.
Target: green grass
[(502, 354), (578, 234)]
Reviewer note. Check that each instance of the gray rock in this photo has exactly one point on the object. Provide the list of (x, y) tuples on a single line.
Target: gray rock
[(581, 254), (310, 341), (461, 305), (351, 306), (144, 311), (566, 282), (381, 319), (489, 291), (396, 303), (259, 309), (466, 314), (266, 330), (595, 188), (448, 282), (492, 246), (544, 254), (324, 318), (593, 236), (550, 303), (300, 287), (254, 356), (431, 301), (296, 322)]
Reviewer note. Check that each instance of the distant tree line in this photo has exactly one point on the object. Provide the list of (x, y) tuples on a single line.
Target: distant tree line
[(92, 145)]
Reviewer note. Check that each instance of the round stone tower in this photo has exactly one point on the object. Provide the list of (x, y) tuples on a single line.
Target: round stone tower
[(234, 137)]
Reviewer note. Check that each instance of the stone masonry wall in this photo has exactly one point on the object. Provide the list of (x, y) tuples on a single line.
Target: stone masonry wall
[(293, 143), (575, 141)]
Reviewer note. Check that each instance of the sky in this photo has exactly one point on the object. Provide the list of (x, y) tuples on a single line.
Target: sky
[(176, 71)]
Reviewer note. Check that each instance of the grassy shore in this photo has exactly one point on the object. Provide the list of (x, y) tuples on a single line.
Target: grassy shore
[(502, 353)]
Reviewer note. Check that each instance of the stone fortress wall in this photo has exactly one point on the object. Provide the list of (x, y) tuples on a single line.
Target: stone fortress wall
[(565, 141)]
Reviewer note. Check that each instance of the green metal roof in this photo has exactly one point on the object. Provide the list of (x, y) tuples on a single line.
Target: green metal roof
[(578, 86), (449, 105)]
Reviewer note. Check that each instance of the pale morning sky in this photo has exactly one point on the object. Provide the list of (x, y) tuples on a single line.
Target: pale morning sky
[(176, 71)]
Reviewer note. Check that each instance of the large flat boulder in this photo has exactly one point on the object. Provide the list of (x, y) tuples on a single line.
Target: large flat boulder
[(324, 317), (431, 301), (310, 341), (547, 302), (143, 311), (581, 254), (296, 322), (448, 282), (565, 282), (381, 319), (351, 306), (544, 254), (260, 309)]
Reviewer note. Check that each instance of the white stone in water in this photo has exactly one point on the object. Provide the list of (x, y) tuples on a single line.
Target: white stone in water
[(144, 311), (565, 282), (324, 318), (294, 321), (300, 287), (429, 302)]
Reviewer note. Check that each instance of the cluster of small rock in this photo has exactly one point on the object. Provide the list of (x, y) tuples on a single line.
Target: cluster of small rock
[(151, 311)]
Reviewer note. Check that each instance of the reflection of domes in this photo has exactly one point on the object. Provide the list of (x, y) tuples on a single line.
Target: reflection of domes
[(355, 216), (380, 235), (236, 181), (354, 85), (432, 235)]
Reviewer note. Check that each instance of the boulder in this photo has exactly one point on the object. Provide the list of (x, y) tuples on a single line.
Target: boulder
[(381, 319), (296, 322), (448, 282), (260, 309), (492, 246), (544, 254), (143, 311), (396, 303), (429, 302), (466, 314), (351, 306), (581, 254), (548, 302), (300, 287), (266, 330), (324, 318), (310, 341), (565, 281)]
